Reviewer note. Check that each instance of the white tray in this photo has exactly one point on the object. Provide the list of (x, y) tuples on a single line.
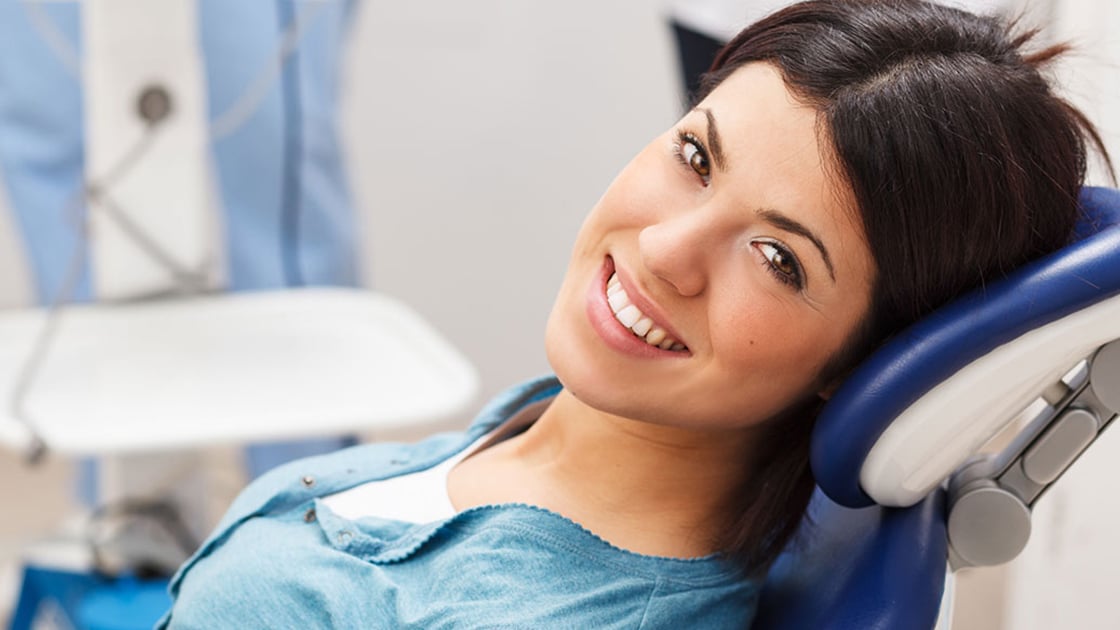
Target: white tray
[(230, 368)]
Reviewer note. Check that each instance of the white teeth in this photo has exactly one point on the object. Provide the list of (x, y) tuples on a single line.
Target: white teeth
[(631, 317), (618, 301), (642, 326)]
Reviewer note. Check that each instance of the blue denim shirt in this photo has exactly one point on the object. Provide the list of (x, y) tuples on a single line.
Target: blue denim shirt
[(281, 559)]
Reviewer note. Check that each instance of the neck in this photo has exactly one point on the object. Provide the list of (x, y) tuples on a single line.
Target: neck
[(675, 480)]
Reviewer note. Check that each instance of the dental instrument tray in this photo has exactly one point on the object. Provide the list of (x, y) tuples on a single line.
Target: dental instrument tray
[(228, 368)]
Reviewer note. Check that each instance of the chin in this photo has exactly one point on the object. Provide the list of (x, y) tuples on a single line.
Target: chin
[(578, 371), (596, 385)]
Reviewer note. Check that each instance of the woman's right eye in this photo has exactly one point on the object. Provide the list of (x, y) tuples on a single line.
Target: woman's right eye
[(691, 152)]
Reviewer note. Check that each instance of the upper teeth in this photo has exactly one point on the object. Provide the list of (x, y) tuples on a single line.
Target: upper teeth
[(641, 325)]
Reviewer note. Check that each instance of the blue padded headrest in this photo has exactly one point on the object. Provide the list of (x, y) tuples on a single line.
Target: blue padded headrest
[(873, 569), (933, 349)]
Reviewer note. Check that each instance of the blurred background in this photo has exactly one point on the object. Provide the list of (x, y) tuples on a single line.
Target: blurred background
[(478, 134)]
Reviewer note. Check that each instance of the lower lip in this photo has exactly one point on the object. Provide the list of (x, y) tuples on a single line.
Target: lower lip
[(610, 330)]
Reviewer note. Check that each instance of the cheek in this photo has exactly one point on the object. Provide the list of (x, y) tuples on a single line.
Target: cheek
[(769, 341)]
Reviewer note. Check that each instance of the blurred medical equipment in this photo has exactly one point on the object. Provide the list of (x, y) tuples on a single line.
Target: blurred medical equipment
[(148, 136), (238, 185), (223, 369), (194, 177), (147, 378), (903, 492)]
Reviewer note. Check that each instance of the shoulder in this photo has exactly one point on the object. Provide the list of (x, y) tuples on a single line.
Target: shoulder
[(325, 474)]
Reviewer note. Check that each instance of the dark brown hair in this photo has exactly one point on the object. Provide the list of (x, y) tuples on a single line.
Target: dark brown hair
[(963, 164)]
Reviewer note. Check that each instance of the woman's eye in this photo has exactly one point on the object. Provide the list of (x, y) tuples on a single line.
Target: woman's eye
[(695, 158), (690, 152), (781, 263)]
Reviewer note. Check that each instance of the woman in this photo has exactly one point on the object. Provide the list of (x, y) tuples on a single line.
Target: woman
[(850, 166)]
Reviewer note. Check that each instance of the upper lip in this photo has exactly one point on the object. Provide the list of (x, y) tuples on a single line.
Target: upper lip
[(647, 306)]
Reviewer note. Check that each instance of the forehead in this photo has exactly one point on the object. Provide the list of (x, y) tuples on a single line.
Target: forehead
[(779, 156)]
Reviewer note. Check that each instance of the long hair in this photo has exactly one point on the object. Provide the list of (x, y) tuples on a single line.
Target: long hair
[(963, 162)]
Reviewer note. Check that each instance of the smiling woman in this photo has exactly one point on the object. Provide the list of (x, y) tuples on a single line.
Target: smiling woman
[(843, 173), (728, 251)]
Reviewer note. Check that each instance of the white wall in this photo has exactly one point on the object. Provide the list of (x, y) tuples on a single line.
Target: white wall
[(1068, 574), (480, 134), (1090, 77)]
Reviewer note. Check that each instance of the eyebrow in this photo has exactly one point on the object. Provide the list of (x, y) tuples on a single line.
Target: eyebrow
[(782, 222), (773, 217), (714, 143)]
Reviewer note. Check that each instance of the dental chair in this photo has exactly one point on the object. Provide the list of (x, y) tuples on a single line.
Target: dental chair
[(904, 498)]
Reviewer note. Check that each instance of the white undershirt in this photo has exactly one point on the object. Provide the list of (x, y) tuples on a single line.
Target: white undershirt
[(419, 497)]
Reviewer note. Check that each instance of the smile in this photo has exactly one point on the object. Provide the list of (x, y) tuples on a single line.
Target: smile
[(636, 321)]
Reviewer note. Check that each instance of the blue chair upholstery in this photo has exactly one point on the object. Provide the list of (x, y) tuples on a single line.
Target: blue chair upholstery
[(1079, 275), (871, 568), (867, 566)]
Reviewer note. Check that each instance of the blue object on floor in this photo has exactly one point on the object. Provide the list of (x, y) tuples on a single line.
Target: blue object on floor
[(87, 601)]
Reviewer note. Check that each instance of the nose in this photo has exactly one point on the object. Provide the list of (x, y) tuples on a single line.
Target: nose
[(677, 251)]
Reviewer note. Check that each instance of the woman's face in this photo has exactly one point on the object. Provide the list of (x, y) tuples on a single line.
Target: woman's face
[(720, 271)]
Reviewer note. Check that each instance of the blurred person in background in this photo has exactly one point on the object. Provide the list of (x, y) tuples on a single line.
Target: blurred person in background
[(275, 184)]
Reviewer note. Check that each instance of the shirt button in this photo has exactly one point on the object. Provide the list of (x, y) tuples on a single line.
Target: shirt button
[(309, 516), (344, 537), (307, 481)]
